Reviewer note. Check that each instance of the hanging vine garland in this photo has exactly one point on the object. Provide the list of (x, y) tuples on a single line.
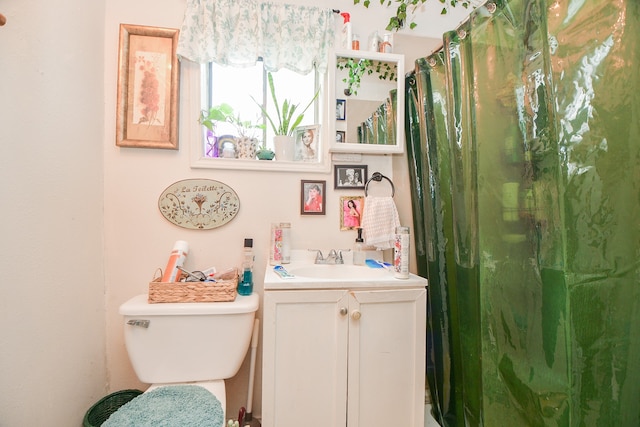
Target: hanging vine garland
[(397, 22), (359, 67)]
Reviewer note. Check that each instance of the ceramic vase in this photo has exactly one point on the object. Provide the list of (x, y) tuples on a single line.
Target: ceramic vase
[(246, 147), (285, 147)]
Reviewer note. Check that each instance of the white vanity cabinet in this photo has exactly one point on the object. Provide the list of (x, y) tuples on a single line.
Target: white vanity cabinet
[(344, 356)]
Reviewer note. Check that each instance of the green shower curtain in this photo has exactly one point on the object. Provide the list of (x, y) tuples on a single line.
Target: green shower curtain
[(541, 302)]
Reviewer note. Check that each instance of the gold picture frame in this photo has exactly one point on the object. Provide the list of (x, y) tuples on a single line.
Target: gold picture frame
[(148, 83), (351, 209)]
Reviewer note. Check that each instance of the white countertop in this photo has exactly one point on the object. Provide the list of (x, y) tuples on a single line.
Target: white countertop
[(354, 276)]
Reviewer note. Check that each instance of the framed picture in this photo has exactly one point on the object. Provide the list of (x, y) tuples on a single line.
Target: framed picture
[(312, 197), (341, 109), (351, 208), (340, 136), (349, 176), (307, 140), (148, 81)]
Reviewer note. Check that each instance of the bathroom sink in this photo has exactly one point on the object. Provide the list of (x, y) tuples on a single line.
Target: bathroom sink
[(308, 275), (340, 272)]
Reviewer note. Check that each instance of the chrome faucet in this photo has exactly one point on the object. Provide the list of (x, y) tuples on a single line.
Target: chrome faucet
[(334, 257)]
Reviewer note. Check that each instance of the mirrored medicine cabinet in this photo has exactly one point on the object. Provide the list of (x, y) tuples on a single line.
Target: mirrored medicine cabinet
[(367, 90)]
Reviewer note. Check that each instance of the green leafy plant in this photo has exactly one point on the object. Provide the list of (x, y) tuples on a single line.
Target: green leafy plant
[(359, 67), (397, 22), (285, 122), (224, 113)]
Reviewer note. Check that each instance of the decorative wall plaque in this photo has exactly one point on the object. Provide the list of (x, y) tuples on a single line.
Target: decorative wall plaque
[(199, 204)]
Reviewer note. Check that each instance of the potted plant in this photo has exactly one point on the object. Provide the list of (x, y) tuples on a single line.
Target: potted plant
[(209, 119), (246, 145), (284, 124)]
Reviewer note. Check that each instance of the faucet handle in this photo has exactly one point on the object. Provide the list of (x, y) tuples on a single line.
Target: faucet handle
[(319, 256), (339, 259)]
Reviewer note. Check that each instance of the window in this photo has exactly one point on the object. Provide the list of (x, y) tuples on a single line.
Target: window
[(236, 87)]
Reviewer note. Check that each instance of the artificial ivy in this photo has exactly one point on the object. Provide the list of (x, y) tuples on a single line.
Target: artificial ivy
[(397, 22), (359, 67)]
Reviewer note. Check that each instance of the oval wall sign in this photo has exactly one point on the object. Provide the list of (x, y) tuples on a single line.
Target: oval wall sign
[(199, 204)]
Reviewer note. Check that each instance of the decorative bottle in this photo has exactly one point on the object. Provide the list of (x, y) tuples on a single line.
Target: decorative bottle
[(401, 253), (245, 287)]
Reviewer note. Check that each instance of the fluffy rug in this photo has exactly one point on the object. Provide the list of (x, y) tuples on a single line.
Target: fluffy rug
[(170, 406)]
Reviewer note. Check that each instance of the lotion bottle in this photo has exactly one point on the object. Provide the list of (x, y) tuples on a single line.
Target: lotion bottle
[(359, 252), (176, 259)]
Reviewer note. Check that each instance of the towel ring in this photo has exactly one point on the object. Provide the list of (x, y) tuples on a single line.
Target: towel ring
[(377, 176)]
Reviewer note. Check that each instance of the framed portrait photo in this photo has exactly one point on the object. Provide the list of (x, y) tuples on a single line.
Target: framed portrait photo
[(307, 140), (349, 176), (312, 197), (341, 109), (341, 136), (148, 83), (351, 208)]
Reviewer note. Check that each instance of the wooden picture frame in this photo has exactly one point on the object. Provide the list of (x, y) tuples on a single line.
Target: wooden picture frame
[(148, 84), (341, 136), (313, 197), (351, 209), (350, 177), (341, 109)]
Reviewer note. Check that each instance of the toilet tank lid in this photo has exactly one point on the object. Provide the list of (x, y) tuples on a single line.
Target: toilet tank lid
[(139, 305)]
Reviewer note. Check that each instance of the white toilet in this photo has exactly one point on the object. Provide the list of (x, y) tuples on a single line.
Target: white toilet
[(197, 343)]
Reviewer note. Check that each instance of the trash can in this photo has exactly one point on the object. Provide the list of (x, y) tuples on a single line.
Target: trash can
[(106, 406)]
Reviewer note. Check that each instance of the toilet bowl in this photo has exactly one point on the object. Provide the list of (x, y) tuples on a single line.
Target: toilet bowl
[(188, 343)]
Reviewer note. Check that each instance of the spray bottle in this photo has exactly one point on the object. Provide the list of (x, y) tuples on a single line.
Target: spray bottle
[(346, 37)]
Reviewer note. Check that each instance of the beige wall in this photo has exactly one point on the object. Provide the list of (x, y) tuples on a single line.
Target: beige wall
[(52, 328), (80, 225)]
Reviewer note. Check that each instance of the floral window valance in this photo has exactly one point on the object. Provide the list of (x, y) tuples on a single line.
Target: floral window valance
[(238, 32)]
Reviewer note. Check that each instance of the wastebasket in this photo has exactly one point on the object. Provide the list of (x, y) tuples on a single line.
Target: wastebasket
[(106, 406)]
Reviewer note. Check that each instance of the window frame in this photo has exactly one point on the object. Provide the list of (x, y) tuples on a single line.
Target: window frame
[(194, 78)]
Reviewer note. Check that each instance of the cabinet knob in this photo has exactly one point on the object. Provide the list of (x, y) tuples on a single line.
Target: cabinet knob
[(355, 315), (344, 311)]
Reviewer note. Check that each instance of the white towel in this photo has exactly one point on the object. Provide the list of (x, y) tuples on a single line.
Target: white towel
[(379, 221)]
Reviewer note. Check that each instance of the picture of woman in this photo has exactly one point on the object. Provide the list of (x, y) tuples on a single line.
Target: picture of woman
[(351, 214), (312, 198), (306, 144)]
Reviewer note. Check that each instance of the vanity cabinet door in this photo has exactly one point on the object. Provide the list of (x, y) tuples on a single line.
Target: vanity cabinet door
[(344, 358), (305, 358), (386, 358)]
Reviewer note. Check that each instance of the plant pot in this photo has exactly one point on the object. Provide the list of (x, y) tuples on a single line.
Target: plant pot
[(285, 147), (265, 155), (246, 147)]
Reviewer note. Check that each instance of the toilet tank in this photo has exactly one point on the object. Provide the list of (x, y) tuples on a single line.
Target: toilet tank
[(180, 342)]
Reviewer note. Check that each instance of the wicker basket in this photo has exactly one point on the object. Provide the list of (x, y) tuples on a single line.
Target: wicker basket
[(102, 410), (218, 291)]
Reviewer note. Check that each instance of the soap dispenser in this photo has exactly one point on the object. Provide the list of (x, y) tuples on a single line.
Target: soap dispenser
[(359, 252)]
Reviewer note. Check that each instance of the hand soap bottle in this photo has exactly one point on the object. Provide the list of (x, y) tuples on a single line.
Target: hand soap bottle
[(359, 252), (245, 287)]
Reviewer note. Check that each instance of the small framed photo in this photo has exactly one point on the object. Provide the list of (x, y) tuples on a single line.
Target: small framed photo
[(349, 176), (312, 197), (341, 109), (351, 212), (148, 82), (307, 143), (340, 136)]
